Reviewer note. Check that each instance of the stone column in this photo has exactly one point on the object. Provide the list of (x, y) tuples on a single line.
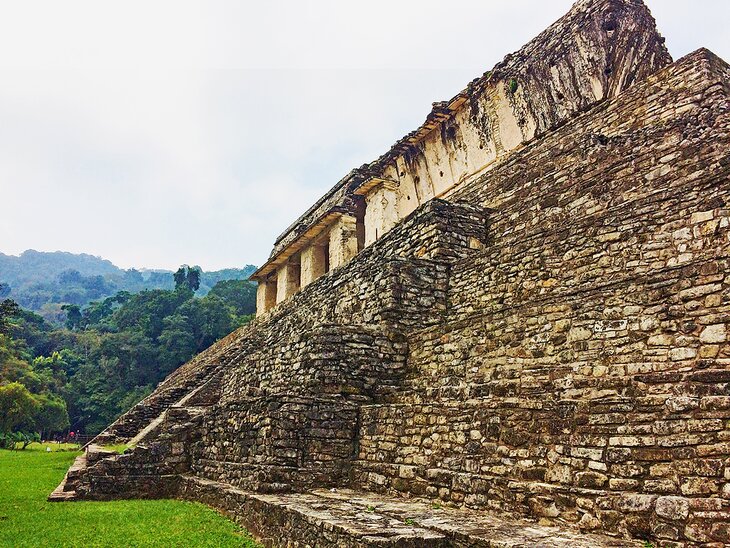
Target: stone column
[(265, 296), (343, 241), (313, 263), (287, 281)]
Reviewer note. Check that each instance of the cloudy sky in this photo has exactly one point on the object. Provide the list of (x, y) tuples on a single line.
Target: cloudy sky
[(156, 133)]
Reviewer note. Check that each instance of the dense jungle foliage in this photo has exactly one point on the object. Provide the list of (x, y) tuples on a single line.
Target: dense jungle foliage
[(109, 354)]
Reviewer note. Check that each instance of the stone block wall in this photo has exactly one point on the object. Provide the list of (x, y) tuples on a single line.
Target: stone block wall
[(335, 359), (287, 417), (611, 464), (278, 443), (581, 371)]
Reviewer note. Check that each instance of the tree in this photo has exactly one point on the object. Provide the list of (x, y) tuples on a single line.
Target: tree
[(73, 316), (210, 318), (51, 415), (17, 407), (194, 278), (240, 294), (180, 276), (187, 277), (13, 368), (177, 343), (117, 348), (147, 310), (8, 310)]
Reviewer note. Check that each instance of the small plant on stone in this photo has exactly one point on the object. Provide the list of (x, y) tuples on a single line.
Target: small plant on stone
[(371, 508), (648, 544), (513, 85), (409, 521), (436, 506)]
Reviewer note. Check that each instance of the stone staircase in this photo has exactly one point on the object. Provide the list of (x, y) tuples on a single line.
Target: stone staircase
[(346, 518), (149, 412), (66, 490)]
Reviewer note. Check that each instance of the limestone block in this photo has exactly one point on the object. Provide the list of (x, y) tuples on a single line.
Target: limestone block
[(635, 502), (673, 508), (714, 334), (681, 403), (679, 354)]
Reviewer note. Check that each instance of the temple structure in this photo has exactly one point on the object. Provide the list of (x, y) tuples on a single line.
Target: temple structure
[(571, 66), (509, 330)]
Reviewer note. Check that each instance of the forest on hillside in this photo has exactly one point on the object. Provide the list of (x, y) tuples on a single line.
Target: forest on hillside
[(109, 354), (45, 281)]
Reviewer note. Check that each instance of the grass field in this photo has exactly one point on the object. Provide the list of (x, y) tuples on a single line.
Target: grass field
[(27, 519)]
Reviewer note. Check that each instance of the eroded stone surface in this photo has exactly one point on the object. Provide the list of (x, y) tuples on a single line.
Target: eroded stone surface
[(356, 518)]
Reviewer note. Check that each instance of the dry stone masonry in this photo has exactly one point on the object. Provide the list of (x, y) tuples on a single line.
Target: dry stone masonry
[(512, 329)]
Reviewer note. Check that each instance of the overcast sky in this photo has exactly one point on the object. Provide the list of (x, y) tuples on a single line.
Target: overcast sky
[(159, 133)]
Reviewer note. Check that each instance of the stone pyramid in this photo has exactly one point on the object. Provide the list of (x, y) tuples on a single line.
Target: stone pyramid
[(511, 329)]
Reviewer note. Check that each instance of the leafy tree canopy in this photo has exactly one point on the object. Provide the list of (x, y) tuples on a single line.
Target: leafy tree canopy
[(115, 350), (17, 407), (42, 282)]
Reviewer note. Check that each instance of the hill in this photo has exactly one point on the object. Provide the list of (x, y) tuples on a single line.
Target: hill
[(44, 281)]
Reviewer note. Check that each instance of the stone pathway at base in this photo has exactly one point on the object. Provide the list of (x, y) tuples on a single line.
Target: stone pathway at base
[(471, 527), (360, 519)]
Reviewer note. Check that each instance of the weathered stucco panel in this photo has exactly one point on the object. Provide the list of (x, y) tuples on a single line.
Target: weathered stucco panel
[(381, 212)]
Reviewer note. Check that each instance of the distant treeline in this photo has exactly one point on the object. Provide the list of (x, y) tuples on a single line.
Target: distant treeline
[(43, 282)]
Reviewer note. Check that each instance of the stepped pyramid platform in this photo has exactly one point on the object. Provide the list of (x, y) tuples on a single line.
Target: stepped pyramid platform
[(509, 330)]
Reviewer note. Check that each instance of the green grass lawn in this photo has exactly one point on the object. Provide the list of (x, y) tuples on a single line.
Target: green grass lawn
[(27, 519)]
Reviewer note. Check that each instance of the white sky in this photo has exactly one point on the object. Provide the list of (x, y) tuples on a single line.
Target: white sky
[(156, 133)]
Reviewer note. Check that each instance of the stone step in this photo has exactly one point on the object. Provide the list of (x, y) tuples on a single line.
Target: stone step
[(66, 490), (471, 528), (154, 423), (146, 415), (59, 494), (350, 519), (305, 519)]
